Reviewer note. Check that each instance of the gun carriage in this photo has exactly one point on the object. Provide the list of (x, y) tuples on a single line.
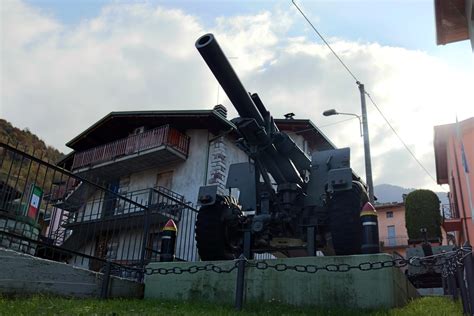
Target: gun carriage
[(289, 204)]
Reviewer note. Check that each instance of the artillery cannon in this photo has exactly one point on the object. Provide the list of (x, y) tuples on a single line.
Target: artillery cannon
[(289, 204)]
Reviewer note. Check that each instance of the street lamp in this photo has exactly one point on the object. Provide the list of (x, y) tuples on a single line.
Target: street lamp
[(363, 126), (334, 112)]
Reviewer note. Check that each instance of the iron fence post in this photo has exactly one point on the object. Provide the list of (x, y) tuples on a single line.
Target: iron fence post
[(104, 293), (452, 286), (247, 244), (311, 236), (239, 288), (463, 289), (469, 273), (146, 228), (444, 283)]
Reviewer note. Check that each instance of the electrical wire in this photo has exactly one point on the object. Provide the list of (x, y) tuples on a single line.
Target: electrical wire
[(399, 137), (338, 122), (325, 42), (326, 125), (368, 95)]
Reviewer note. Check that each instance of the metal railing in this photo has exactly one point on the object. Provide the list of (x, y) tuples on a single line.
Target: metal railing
[(158, 200), (395, 241), (449, 211), (88, 228), (164, 135)]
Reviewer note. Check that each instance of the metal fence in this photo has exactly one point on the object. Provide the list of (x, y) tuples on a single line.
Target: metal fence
[(395, 241), (52, 213)]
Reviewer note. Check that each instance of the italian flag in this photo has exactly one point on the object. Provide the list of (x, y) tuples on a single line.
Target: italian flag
[(33, 208)]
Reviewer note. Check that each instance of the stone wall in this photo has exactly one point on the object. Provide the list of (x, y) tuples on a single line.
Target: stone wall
[(22, 274)]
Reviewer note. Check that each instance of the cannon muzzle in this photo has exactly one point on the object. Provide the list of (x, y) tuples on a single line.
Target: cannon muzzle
[(215, 58)]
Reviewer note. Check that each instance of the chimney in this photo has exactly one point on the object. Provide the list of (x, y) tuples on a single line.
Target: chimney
[(222, 110)]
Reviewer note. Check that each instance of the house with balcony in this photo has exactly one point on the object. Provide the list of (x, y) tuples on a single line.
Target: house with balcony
[(148, 167), (454, 160), (393, 234)]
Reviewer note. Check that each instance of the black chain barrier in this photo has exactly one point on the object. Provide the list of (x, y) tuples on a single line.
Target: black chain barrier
[(456, 268), (448, 262)]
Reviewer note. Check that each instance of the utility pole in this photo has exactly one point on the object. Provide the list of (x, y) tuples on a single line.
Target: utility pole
[(365, 127)]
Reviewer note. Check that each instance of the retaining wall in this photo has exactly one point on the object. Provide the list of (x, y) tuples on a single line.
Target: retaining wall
[(22, 274), (383, 288)]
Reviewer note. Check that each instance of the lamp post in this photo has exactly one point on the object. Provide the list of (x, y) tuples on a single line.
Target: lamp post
[(365, 133)]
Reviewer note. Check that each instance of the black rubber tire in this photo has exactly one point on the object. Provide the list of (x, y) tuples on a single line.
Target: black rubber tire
[(210, 234), (344, 219)]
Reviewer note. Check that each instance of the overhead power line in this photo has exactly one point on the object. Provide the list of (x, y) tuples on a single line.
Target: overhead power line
[(399, 137), (325, 42), (368, 95)]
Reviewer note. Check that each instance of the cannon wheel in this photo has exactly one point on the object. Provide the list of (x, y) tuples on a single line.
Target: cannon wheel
[(212, 234), (344, 217)]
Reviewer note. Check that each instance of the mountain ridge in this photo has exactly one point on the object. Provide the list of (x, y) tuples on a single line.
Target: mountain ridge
[(389, 193)]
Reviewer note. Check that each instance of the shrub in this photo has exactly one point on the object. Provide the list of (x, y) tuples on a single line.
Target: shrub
[(422, 211)]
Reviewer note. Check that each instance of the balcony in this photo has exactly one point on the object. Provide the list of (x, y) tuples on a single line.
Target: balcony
[(394, 242), (451, 220), (159, 201), (133, 154), (113, 214)]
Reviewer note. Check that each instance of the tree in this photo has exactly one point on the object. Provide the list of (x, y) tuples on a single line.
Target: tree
[(422, 211)]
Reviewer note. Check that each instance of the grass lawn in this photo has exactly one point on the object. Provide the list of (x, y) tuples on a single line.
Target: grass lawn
[(58, 306)]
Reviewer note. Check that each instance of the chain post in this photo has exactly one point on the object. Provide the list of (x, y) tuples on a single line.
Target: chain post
[(104, 293), (463, 289), (239, 288), (311, 239), (469, 274), (444, 284)]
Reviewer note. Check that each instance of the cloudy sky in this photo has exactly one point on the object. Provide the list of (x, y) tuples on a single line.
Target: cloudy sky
[(66, 64)]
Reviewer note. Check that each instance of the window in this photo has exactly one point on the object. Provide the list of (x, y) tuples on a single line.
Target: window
[(391, 235), (112, 249), (122, 206), (389, 214)]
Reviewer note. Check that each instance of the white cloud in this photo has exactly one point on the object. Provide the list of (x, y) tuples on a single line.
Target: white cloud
[(57, 79)]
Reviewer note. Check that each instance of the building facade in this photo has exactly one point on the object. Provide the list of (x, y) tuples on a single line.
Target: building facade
[(393, 235), (454, 157)]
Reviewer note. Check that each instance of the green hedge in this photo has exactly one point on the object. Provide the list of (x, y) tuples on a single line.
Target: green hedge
[(422, 211)]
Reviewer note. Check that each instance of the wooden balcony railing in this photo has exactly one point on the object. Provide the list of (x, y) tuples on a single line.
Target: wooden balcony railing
[(164, 135)]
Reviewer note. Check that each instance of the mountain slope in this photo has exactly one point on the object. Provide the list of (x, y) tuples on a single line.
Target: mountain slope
[(26, 139), (387, 193)]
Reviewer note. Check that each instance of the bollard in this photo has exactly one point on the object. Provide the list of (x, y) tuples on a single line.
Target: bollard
[(463, 289), (452, 286), (370, 230), (444, 282), (104, 293), (168, 241), (468, 268), (239, 288)]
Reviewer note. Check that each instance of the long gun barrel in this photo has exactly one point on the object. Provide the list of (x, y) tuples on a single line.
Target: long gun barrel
[(221, 68), (279, 164)]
